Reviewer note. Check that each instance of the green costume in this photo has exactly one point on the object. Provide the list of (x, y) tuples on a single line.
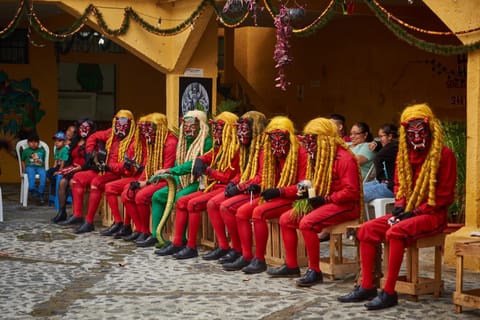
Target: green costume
[(159, 198)]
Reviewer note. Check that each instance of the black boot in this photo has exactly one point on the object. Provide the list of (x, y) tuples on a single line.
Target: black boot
[(255, 266), (115, 227), (72, 220), (310, 278), (284, 271), (382, 301), (61, 216), (132, 237), (169, 250), (230, 257), (124, 231), (85, 227), (238, 264), (215, 254)]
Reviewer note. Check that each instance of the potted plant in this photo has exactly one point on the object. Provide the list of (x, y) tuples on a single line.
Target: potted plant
[(455, 137)]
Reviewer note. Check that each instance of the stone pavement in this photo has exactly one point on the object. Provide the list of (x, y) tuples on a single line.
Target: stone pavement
[(48, 272)]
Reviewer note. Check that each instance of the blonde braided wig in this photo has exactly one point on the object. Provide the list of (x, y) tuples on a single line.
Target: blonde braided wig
[(123, 113), (425, 185), (249, 154), (196, 147), (155, 150), (223, 159), (288, 176), (328, 141)]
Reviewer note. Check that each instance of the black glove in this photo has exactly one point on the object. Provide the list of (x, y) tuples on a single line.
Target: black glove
[(127, 165), (88, 161), (254, 188), (107, 168), (231, 190), (270, 193), (134, 185), (397, 210), (316, 202), (199, 168), (406, 215)]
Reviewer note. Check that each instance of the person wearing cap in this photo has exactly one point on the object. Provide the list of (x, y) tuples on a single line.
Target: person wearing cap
[(423, 194), (60, 155)]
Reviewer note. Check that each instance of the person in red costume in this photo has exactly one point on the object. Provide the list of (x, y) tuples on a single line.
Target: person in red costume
[(76, 162), (160, 153), (334, 197), (284, 163), (250, 135), (154, 148), (423, 194), (216, 168), (108, 167)]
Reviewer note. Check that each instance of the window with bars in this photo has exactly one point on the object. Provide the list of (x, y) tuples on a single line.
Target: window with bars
[(14, 48)]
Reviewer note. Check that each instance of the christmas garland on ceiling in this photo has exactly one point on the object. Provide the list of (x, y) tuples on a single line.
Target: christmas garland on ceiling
[(25, 8)]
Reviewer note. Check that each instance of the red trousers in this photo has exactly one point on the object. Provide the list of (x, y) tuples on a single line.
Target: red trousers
[(399, 236), (310, 225), (188, 209), (114, 189), (89, 178), (228, 210), (138, 202)]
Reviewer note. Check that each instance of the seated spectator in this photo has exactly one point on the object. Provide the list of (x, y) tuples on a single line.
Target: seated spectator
[(60, 156), (384, 161), (33, 163), (361, 136)]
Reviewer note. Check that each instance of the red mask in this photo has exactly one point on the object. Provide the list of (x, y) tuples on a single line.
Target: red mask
[(244, 131), (191, 128), (279, 142), (217, 130), (418, 134), (122, 127), (310, 143), (84, 129), (148, 130)]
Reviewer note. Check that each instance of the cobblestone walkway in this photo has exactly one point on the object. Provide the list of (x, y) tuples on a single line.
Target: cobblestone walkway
[(47, 272)]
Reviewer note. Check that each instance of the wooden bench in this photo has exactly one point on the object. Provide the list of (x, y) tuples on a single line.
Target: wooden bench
[(468, 298), (336, 264), (411, 283), (275, 254)]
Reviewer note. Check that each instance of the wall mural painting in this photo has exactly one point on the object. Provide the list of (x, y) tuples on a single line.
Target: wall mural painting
[(19, 111)]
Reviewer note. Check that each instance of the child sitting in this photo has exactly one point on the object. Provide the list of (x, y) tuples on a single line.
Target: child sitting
[(60, 156), (33, 163)]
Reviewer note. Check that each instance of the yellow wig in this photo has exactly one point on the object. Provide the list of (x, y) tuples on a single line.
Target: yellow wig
[(154, 151), (288, 176), (222, 160), (249, 154), (425, 186), (125, 141)]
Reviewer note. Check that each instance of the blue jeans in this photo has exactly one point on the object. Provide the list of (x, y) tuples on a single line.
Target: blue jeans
[(31, 171), (374, 190)]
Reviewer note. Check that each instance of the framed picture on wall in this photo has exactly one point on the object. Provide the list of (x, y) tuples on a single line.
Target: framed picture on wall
[(195, 93)]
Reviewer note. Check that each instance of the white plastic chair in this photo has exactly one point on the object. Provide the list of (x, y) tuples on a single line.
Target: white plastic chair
[(21, 145), (380, 205)]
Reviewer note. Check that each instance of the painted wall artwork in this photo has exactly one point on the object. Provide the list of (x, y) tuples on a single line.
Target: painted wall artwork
[(19, 111), (195, 93)]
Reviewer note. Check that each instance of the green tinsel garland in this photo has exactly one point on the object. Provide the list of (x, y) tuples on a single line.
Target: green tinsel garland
[(14, 23), (419, 43), (225, 19)]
